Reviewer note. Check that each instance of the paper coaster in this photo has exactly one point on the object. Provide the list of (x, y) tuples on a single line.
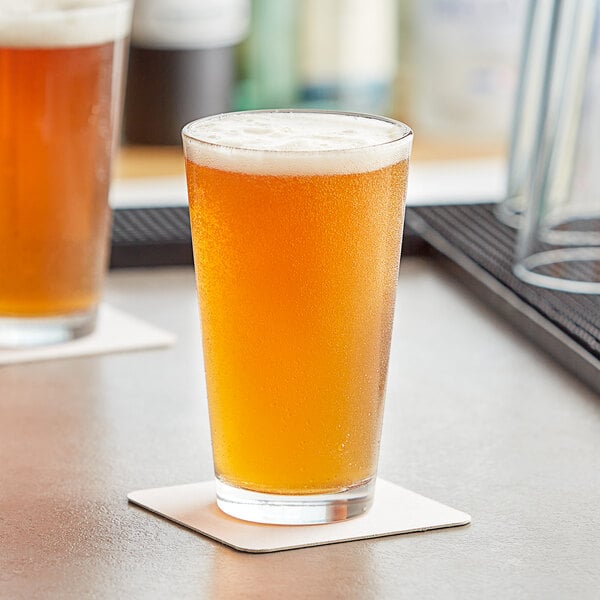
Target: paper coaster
[(395, 510), (115, 331)]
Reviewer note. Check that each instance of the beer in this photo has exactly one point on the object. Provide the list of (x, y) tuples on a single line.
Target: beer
[(296, 224), (60, 75)]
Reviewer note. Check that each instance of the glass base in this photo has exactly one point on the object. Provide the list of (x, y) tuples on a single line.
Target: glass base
[(276, 509), (509, 211), (25, 332), (575, 270)]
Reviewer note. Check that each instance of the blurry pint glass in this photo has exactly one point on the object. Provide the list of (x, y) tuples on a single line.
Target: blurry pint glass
[(61, 67), (297, 223)]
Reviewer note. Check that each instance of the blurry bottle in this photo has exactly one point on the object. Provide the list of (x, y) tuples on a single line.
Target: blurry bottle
[(181, 65), (402, 85), (348, 54), (464, 69), (268, 60)]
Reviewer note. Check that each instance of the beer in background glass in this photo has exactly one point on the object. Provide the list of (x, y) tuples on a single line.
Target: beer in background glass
[(297, 223), (61, 70)]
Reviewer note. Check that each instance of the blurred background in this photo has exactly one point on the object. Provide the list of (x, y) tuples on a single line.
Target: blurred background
[(448, 68)]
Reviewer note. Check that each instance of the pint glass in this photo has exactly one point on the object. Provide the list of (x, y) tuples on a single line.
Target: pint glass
[(558, 246), (61, 68), (297, 223)]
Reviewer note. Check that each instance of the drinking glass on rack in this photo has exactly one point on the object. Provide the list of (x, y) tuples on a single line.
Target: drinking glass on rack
[(539, 33), (296, 225), (559, 239)]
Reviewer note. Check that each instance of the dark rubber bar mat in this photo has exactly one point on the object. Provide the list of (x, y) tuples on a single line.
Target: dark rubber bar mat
[(148, 237), (480, 252), (479, 249)]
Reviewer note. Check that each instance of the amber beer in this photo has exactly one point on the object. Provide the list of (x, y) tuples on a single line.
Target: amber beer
[(60, 80), (296, 223)]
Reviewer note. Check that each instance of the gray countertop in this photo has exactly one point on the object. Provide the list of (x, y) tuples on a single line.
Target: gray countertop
[(476, 418)]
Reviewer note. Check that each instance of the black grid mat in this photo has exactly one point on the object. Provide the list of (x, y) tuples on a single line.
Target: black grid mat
[(147, 237), (481, 249)]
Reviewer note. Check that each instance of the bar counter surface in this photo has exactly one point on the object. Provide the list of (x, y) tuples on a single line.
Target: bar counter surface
[(476, 417)]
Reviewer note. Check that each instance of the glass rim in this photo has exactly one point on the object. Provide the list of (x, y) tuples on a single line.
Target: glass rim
[(405, 137)]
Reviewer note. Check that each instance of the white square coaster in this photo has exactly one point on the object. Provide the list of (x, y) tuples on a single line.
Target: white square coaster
[(395, 510), (115, 331)]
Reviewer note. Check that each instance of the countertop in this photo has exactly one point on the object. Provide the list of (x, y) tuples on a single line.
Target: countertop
[(476, 418)]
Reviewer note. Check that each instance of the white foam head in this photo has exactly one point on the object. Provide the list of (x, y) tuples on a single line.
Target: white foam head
[(296, 142), (63, 23)]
